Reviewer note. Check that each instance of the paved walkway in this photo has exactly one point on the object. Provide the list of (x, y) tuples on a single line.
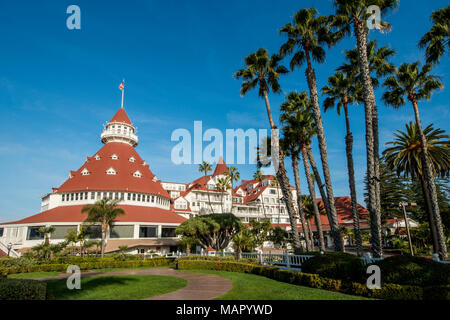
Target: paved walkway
[(200, 286)]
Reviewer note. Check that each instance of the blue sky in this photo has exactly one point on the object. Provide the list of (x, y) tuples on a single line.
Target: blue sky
[(59, 86)]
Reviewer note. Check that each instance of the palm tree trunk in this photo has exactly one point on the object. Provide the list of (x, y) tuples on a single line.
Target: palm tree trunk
[(334, 223), (287, 196), (311, 236), (269, 112), (431, 187), (351, 182), (376, 157), (299, 202), (312, 193), (104, 230), (320, 185), (429, 211), (369, 102)]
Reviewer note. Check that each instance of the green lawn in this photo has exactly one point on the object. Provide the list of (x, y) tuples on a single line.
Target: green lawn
[(128, 287), (253, 287)]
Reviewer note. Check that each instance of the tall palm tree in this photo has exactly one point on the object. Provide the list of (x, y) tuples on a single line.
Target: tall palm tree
[(306, 36), (223, 185), (204, 168), (299, 129), (342, 91), (264, 159), (46, 231), (264, 72), (354, 13), (405, 156), (105, 212), (417, 84), (437, 40), (234, 175), (291, 146), (379, 66)]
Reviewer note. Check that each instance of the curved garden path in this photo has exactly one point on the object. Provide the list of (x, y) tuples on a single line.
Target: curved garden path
[(200, 286)]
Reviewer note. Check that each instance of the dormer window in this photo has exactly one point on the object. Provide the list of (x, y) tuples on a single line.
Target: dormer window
[(97, 157), (132, 159), (85, 172), (137, 174), (155, 178), (114, 157), (111, 171)]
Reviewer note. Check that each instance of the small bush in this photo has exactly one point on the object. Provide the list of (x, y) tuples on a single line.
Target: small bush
[(336, 265), (414, 271), (224, 258), (20, 289)]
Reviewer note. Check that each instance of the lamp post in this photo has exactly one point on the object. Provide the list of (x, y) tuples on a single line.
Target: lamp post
[(403, 205), (9, 246)]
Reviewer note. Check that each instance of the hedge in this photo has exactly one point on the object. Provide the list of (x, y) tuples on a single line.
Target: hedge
[(21, 289), (62, 267), (388, 291), (219, 258)]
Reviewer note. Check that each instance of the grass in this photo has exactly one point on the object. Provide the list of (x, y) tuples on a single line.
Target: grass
[(127, 287), (254, 287)]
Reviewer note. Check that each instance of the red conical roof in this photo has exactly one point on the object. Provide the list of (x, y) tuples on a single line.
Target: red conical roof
[(121, 116), (221, 167), (125, 161)]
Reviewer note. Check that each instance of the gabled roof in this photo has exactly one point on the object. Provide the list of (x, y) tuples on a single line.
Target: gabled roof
[(132, 214), (121, 116), (221, 167), (123, 180)]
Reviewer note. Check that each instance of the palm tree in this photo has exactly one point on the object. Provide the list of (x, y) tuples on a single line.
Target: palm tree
[(187, 243), (354, 13), (81, 237), (290, 145), (105, 212), (46, 231), (243, 240), (234, 175), (205, 167), (300, 128), (223, 185), (342, 91), (306, 36), (436, 41), (264, 159), (417, 84), (406, 156), (379, 66)]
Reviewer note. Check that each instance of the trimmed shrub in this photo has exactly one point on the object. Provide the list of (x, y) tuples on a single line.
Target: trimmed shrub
[(388, 291), (100, 264), (414, 271), (336, 265), (20, 289)]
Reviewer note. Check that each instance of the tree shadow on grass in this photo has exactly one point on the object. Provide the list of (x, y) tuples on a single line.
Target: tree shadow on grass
[(103, 286)]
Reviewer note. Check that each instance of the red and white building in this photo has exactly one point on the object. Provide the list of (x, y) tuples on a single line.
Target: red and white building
[(153, 208)]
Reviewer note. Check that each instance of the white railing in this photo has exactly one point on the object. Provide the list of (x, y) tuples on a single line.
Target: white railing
[(284, 261), (12, 253)]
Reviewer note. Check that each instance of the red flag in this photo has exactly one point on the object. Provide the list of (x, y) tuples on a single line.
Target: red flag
[(122, 86)]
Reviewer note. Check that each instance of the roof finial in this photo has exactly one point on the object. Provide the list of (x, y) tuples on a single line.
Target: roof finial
[(122, 88)]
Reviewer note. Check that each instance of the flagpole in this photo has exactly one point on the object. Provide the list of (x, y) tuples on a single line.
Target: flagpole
[(123, 90)]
